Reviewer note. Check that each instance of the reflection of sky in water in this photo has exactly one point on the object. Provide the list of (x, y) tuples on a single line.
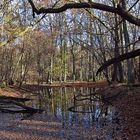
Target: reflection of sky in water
[(57, 102), (97, 118)]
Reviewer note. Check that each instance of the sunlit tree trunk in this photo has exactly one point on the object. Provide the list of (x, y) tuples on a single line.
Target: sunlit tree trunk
[(73, 64), (51, 69)]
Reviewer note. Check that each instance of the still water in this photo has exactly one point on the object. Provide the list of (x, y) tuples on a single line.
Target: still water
[(74, 106)]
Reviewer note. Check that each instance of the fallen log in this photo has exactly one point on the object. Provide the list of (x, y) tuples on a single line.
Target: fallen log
[(14, 99), (17, 107), (30, 109), (13, 111)]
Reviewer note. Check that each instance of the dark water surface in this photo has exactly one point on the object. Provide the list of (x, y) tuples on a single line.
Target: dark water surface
[(87, 111), (81, 112)]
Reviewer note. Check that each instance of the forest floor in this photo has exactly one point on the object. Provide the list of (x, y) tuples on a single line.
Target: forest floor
[(42, 127)]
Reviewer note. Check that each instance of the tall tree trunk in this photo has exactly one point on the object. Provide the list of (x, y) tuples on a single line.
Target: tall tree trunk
[(139, 70), (51, 69), (130, 69), (73, 64), (91, 58), (118, 71)]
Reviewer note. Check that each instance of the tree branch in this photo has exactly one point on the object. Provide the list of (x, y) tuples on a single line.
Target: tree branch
[(124, 14), (129, 55)]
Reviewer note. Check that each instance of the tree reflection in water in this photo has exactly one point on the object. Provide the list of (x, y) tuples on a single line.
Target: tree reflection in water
[(74, 106)]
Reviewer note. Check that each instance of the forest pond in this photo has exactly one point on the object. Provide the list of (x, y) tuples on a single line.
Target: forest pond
[(74, 106), (81, 113)]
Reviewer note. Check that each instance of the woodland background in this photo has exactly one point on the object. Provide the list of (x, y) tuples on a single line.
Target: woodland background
[(67, 46)]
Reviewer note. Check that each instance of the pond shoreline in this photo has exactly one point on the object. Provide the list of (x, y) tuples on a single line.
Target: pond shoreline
[(42, 127)]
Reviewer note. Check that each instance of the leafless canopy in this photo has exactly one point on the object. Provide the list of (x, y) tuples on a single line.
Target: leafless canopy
[(78, 5)]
